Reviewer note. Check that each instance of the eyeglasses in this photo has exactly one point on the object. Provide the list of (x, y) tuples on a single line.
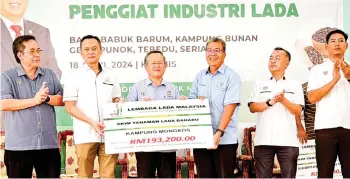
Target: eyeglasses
[(210, 51), (32, 52)]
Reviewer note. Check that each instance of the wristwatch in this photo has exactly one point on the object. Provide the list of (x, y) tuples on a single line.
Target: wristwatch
[(47, 99), (268, 103), (221, 131)]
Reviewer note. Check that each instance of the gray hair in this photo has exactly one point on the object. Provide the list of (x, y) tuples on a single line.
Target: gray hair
[(217, 39), (152, 52)]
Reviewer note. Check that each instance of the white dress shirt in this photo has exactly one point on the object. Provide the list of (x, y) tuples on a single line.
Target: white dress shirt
[(8, 25), (333, 110), (276, 126), (91, 94)]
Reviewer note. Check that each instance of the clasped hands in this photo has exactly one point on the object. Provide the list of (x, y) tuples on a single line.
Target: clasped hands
[(42, 94), (279, 97)]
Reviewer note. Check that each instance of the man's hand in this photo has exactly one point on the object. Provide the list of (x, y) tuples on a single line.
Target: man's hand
[(302, 135), (146, 98), (336, 71), (41, 95), (98, 126), (182, 97), (345, 67), (216, 138), (123, 100), (279, 97)]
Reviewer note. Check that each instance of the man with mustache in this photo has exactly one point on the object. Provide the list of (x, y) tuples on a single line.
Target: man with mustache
[(155, 88), (329, 89), (28, 96), (222, 87), (277, 101), (85, 94)]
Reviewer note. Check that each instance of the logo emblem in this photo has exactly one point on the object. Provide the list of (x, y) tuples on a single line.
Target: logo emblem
[(19, 81), (265, 88), (168, 93), (325, 72), (143, 93)]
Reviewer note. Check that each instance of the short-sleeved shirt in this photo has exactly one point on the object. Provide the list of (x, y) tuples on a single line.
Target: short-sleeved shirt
[(333, 109), (276, 126), (145, 88), (32, 128), (221, 89), (91, 93)]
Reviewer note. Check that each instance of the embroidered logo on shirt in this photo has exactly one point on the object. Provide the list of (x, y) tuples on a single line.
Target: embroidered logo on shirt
[(19, 81), (168, 93), (325, 72), (221, 84)]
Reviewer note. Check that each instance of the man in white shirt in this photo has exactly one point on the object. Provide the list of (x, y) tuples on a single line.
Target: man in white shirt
[(85, 94), (329, 88), (277, 101)]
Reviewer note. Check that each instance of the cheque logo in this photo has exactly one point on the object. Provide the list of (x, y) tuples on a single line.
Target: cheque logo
[(265, 88), (117, 111)]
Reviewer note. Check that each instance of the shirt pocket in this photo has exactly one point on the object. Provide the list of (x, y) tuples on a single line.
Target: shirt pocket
[(108, 90), (290, 95), (219, 93), (221, 86), (169, 94), (265, 95), (202, 90)]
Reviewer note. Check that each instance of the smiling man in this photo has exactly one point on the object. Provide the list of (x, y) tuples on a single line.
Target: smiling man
[(329, 89), (87, 91), (155, 88), (222, 87), (28, 96)]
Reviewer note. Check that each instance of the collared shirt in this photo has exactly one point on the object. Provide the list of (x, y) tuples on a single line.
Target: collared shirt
[(34, 127), (276, 126), (222, 88), (145, 88), (8, 25), (333, 109), (91, 93)]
